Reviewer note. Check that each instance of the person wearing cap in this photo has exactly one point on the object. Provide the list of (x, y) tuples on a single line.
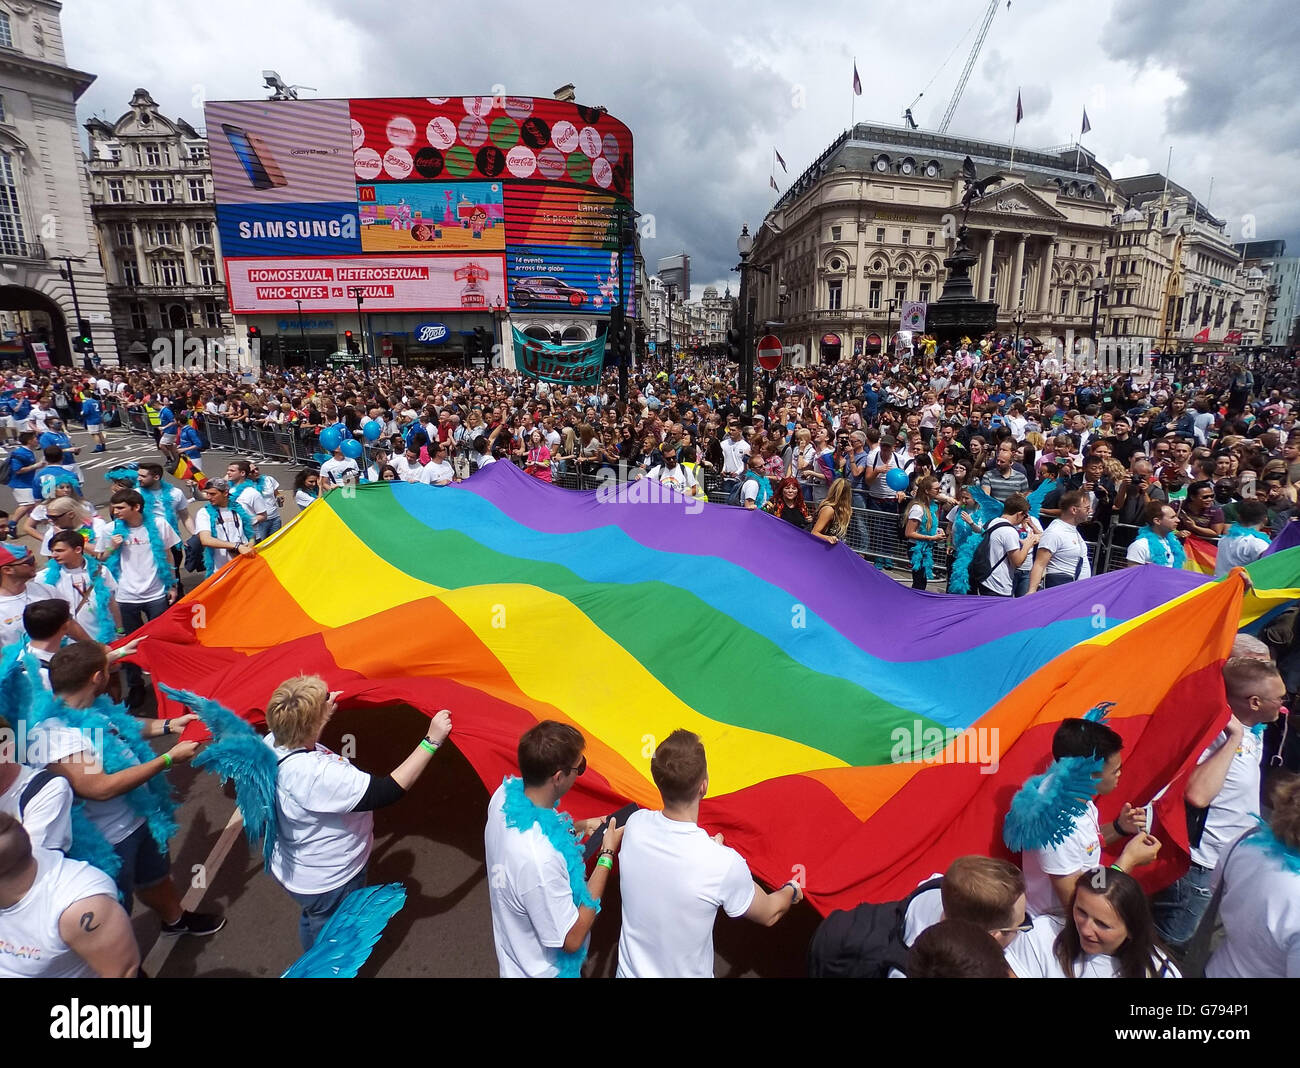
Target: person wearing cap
[(225, 530)]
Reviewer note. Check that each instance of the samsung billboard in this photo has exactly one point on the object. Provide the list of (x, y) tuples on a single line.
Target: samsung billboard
[(438, 203)]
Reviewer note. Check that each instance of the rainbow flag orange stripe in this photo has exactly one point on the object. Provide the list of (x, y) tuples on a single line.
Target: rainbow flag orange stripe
[(1201, 555), (832, 701)]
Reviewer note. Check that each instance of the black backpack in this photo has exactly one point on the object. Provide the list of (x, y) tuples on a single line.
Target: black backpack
[(864, 942), (982, 565)]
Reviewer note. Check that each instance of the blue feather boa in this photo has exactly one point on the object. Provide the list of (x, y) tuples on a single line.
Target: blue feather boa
[(923, 551), (345, 942), (161, 561), (164, 504), (106, 631), (237, 753), (1265, 839), (124, 747), (1163, 550), (1045, 810), (244, 520), (1238, 531), (520, 813)]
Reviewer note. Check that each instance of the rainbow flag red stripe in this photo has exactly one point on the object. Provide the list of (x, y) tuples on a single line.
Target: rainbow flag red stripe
[(819, 686)]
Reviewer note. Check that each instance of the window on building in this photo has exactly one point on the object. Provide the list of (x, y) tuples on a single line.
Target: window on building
[(874, 298), (3, 113), (836, 231), (153, 155), (834, 291), (131, 274), (124, 235), (6, 32), (1024, 287), (1082, 304), (197, 190), (211, 315), (116, 191), (12, 235), (993, 283), (168, 273), (207, 273), (1065, 301), (924, 292), (165, 233), (900, 292), (880, 235), (139, 316), (203, 233), (907, 237), (929, 237), (198, 153), (158, 191)]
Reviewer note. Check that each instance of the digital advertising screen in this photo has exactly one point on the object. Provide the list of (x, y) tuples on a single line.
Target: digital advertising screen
[(560, 215), (432, 216), (573, 280), (387, 284), (290, 229)]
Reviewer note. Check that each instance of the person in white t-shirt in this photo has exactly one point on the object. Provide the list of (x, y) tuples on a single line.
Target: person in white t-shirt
[(220, 528), (1051, 872), (1260, 905), (324, 805), (1245, 542), (88, 595), (18, 589), (79, 675), (1225, 783), (674, 877), (1107, 933), (1062, 554), (1155, 542), (407, 464), (438, 471), (541, 914), (1007, 549), (956, 949), (61, 916), (985, 891), (674, 475), (338, 471), (41, 802)]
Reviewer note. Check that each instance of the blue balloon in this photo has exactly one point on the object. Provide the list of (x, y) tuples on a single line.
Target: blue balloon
[(896, 480), (372, 429), (352, 449), (330, 438)]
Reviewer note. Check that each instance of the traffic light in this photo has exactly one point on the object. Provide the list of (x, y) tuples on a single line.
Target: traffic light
[(483, 342), (351, 342), (254, 332), (471, 347), (734, 344), (83, 341)]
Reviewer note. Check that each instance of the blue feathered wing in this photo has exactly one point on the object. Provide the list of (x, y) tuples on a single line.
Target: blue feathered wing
[(1045, 810), (237, 753), (345, 942)]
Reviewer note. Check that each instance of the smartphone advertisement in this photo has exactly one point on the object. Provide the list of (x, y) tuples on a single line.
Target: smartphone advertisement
[(386, 284), (281, 152)]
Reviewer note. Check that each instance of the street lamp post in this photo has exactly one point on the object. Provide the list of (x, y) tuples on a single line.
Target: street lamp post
[(670, 291), (302, 333), (1019, 320), (744, 246), (72, 284), (361, 328), (1098, 289)]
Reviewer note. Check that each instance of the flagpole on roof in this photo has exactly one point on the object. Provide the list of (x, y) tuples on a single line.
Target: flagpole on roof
[(1019, 116)]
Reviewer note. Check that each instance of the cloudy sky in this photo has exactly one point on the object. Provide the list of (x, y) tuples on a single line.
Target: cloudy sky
[(708, 90)]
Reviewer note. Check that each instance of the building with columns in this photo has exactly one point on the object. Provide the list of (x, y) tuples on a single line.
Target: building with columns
[(151, 196), (50, 274), (1175, 268), (868, 225)]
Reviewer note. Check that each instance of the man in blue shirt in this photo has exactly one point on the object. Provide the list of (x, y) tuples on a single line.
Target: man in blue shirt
[(167, 433), (92, 414), (57, 434)]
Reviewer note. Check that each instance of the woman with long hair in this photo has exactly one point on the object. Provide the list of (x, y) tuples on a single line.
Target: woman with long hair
[(306, 488), (1108, 934), (537, 457), (788, 504), (921, 528), (835, 513), (957, 479)]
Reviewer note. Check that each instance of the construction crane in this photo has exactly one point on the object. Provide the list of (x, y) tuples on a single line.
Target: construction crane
[(970, 64)]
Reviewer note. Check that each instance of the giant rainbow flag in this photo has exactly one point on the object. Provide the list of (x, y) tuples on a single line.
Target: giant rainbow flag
[(831, 700)]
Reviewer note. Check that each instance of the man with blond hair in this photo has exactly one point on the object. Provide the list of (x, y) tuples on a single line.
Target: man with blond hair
[(324, 805)]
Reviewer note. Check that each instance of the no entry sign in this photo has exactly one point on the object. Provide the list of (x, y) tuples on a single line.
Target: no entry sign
[(769, 352)]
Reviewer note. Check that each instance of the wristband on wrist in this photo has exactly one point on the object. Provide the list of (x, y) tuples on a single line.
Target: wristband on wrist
[(167, 760), (167, 726), (1120, 827), (1116, 867), (605, 860), (428, 746)]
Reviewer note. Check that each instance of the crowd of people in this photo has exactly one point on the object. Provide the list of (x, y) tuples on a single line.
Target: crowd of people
[(972, 460)]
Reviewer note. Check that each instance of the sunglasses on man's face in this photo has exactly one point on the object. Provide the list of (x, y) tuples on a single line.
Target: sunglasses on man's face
[(582, 766)]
